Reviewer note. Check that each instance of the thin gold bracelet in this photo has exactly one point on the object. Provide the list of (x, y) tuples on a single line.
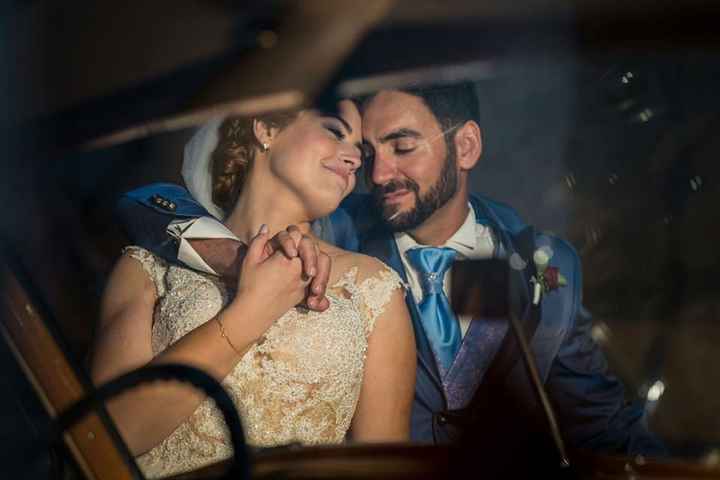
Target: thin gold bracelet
[(225, 336)]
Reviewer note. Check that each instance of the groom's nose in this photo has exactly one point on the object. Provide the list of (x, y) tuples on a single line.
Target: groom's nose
[(384, 167)]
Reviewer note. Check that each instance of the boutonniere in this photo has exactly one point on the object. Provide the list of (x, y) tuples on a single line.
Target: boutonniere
[(547, 278)]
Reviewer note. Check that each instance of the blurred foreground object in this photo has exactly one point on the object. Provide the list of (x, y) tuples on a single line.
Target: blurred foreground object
[(95, 74)]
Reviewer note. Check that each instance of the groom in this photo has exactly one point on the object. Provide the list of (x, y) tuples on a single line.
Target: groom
[(422, 145)]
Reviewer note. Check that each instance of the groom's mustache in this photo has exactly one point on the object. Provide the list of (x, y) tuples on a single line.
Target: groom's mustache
[(379, 191)]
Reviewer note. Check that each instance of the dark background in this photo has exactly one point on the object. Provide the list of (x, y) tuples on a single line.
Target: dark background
[(612, 146)]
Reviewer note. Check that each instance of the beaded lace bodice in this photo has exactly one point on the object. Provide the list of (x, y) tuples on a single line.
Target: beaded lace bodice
[(299, 383)]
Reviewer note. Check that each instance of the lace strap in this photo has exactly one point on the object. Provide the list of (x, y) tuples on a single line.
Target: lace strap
[(349, 279), (154, 266), (376, 292)]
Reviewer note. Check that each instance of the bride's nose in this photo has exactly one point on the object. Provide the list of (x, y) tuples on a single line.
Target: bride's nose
[(351, 158)]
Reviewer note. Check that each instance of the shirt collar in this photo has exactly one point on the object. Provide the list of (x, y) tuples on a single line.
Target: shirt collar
[(464, 239)]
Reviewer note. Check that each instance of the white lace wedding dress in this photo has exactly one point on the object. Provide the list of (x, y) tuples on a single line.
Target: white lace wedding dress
[(299, 383)]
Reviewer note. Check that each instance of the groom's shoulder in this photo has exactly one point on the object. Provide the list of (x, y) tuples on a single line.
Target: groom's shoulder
[(508, 217), (167, 198), (145, 194), (511, 221)]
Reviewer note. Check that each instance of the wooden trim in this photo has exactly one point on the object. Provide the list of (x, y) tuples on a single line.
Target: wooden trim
[(94, 443)]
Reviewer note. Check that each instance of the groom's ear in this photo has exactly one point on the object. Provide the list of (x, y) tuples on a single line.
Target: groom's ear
[(264, 133), (468, 145)]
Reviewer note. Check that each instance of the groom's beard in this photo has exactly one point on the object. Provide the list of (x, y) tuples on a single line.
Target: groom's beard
[(438, 195)]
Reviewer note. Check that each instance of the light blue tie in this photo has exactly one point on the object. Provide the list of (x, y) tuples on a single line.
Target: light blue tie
[(438, 319)]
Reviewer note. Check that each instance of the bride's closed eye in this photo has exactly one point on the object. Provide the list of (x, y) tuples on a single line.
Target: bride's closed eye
[(335, 130)]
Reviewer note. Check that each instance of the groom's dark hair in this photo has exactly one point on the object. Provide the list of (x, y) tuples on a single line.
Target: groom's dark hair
[(452, 105)]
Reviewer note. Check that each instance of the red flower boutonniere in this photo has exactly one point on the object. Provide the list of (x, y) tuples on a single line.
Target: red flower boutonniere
[(547, 278)]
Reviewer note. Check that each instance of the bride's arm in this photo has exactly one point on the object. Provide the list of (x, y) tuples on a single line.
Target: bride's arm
[(148, 414), (383, 410)]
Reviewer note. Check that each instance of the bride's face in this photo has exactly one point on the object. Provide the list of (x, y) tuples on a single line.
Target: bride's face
[(317, 156)]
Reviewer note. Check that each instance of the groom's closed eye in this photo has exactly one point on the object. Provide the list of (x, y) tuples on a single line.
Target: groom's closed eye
[(405, 145), (402, 140)]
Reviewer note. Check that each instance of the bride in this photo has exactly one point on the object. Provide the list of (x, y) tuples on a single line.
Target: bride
[(295, 375)]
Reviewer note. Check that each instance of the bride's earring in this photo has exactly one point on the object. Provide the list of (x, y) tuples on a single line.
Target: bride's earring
[(265, 147)]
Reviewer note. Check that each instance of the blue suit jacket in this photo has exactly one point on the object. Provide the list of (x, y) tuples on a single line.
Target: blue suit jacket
[(590, 403)]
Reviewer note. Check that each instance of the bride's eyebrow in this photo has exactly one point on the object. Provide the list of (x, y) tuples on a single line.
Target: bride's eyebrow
[(340, 119)]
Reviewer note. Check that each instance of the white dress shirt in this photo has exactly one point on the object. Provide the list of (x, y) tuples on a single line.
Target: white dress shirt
[(471, 241)]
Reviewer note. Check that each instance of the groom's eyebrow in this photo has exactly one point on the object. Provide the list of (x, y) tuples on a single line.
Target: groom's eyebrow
[(400, 133)]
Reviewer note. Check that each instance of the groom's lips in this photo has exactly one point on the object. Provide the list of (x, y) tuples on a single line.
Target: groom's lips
[(395, 196)]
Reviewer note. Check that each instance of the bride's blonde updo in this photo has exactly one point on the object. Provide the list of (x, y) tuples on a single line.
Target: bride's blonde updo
[(233, 157)]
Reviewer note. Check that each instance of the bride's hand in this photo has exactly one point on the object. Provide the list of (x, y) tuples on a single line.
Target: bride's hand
[(225, 256), (269, 285), (316, 263)]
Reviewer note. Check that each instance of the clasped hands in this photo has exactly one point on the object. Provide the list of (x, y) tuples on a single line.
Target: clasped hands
[(226, 256)]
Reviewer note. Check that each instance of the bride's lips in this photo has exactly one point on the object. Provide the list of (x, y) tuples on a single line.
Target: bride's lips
[(340, 172)]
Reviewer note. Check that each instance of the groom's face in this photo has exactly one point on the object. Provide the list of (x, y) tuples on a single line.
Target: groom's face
[(413, 173)]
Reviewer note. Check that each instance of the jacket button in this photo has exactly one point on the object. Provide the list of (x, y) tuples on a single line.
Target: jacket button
[(442, 419), (163, 203)]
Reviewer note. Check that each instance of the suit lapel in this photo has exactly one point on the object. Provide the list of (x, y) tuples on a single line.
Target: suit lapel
[(380, 243), (521, 243), (528, 313), (478, 349)]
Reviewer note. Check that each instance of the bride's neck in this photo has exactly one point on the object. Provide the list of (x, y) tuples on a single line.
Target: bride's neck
[(264, 202)]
